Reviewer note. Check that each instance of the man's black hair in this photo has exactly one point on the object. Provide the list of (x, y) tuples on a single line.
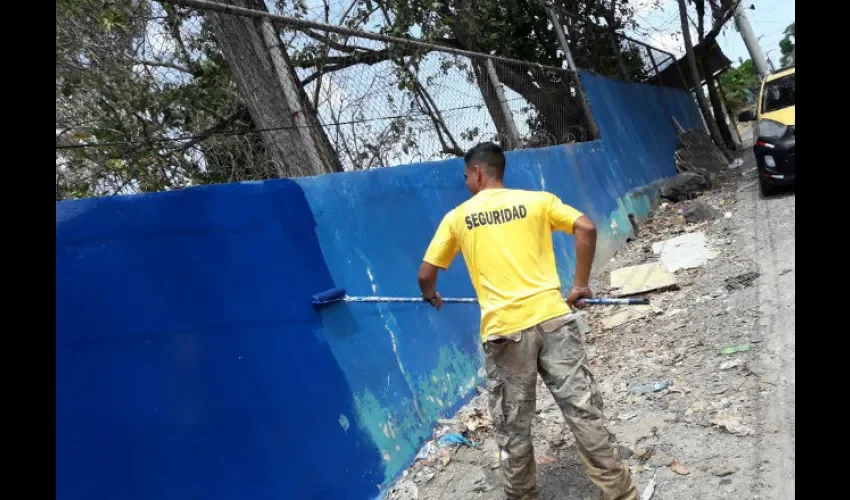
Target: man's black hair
[(490, 154)]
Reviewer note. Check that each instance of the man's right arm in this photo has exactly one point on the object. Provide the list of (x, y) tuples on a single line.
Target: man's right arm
[(441, 251), (566, 218)]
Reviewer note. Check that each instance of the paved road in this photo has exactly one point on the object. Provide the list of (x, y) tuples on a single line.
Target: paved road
[(770, 234)]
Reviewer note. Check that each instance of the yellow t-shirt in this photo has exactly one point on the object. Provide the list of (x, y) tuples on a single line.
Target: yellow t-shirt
[(506, 239)]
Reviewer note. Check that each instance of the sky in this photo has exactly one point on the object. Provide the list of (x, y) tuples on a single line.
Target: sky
[(660, 26)]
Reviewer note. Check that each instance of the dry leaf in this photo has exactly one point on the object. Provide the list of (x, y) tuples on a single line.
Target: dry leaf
[(678, 468), (546, 460)]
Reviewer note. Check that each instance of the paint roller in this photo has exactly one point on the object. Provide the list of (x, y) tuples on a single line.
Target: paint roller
[(335, 295)]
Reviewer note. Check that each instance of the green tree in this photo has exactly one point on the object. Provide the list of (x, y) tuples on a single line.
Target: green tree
[(787, 46), (149, 84), (741, 85)]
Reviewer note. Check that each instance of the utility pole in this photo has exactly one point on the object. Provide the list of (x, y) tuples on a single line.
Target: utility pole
[(562, 39), (746, 31)]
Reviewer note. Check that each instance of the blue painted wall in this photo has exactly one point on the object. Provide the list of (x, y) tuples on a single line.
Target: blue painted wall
[(191, 365)]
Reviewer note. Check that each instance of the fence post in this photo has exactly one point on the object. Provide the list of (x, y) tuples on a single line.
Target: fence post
[(655, 66), (562, 39), (513, 133)]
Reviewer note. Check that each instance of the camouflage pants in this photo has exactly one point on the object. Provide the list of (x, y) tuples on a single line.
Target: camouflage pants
[(554, 348)]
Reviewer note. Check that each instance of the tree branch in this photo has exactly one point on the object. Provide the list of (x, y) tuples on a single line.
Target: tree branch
[(159, 64), (241, 114)]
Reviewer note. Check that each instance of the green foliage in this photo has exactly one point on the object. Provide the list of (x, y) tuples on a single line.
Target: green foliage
[(131, 74), (739, 84), (787, 46)]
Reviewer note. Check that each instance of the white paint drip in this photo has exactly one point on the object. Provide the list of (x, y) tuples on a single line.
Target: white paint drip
[(372, 280)]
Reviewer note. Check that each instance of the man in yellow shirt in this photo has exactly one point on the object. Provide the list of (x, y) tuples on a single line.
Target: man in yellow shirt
[(505, 236)]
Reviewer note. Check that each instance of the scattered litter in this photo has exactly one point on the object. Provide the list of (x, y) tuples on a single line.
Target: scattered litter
[(546, 460), (627, 416), (678, 468), (698, 212), (425, 451), (736, 349), (683, 252), (741, 281), (455, 438), (727, 215), (737, 162), (724, 471), (404, 490), (650, 490), (731, 425), (477, 420), (732, 363), (652, 387), (642, 278), (644, 454), (631, 313)]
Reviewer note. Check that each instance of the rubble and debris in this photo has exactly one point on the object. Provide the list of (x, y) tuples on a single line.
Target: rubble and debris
[(651, 387), (741, 281), (685, 186), (736, 349), (683, 252), (678, 468), (733, 363), (698, 212), (731, 424), (678, 338), (628, 314), (737, 162), (476, 420), (643, 278)]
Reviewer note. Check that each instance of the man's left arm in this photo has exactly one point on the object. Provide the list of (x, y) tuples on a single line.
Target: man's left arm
[(442, 250)]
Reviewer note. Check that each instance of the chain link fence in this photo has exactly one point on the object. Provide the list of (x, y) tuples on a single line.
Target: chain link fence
[(152, 96)]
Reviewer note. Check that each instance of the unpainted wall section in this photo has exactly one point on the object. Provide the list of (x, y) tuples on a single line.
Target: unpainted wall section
[(191, 365)]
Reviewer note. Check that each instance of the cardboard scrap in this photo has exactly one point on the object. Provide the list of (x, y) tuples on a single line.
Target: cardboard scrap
[(640, 279)]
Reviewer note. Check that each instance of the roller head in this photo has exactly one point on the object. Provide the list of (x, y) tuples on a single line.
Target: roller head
[(332, 295)]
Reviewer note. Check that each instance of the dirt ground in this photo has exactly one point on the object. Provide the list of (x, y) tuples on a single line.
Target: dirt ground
[(727, 422)]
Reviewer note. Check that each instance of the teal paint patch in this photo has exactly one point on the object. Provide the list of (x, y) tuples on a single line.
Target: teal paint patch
[(452, 379), (398, 435)]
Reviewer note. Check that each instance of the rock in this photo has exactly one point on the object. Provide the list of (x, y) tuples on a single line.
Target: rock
[(731, 425), (684, 186), (724, 471), (732, 363), (741, 281), (699, 212)]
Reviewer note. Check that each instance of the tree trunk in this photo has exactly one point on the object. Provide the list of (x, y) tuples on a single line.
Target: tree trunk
[(717, 106), (289, 127), (714, 131)]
